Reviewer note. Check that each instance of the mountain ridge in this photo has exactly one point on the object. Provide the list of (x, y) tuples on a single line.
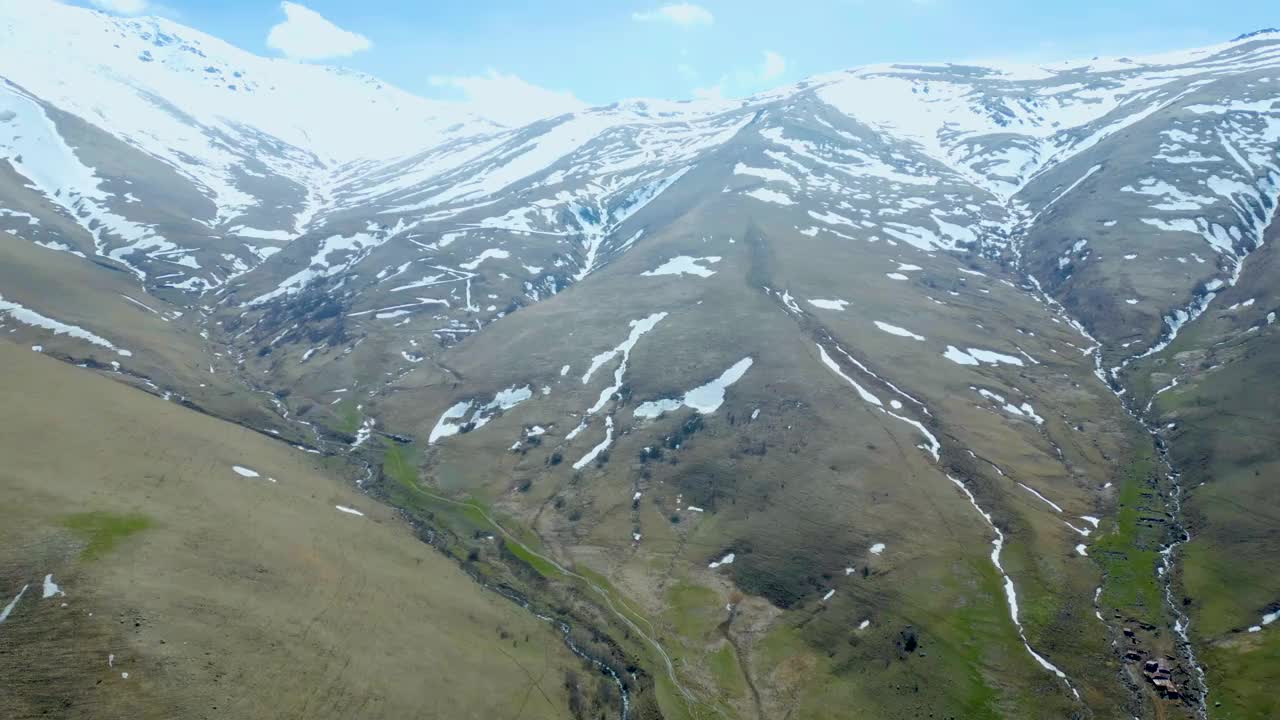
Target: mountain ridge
[(860, 384)]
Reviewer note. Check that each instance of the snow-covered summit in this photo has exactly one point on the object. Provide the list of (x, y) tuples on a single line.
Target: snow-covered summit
[(151, 79)]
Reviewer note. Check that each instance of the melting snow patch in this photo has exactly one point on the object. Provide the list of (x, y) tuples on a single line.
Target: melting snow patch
[(494, 253), (829, 304), (828, 595), (704, 399), (862, 392), (975, 356), (896, 276), (895, 330), (770, 196), (726, 560), (445, 426), (864, 624), (347, 510), (364, 433), (595, 451), (502, 401), (8, 609), (877, 549), (244, 471), (1046, 500), (769, 174), (685, 265), (1082, 549), (638, 328), (30, 317), (50, 588)]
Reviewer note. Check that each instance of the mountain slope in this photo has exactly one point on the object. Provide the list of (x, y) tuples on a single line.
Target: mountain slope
[(835, 395), (175, 565)]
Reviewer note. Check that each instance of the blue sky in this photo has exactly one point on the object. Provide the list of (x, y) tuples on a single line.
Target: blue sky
[(605, 50)]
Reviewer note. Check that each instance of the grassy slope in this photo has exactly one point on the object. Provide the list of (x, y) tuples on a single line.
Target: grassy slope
[(1227, 441), (228, 596), (836, 478), (168, 353), (1221, 425)]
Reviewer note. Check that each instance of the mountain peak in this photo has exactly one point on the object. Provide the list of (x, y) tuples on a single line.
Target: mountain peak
[(1256, 33)]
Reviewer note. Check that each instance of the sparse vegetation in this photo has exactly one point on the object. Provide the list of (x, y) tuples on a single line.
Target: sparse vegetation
[(102, 531)]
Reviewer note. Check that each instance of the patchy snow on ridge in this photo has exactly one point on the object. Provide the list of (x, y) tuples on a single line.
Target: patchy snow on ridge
[(900, 332), (770, 196), (837, 305), (704, 399), (976, 356), (726, 560), (502, 401), (685, 265), (495, 253), (27, 316)]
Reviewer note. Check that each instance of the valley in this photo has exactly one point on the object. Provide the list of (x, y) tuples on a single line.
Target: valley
[(904, 391)]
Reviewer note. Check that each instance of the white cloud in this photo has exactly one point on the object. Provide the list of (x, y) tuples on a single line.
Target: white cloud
[(774, 66), (306, 35), (714, 92), (510, 100), (123, 7), (682, 14), (741, 81)]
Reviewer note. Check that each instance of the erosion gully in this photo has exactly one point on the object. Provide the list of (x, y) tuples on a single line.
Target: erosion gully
[(1173, 498)]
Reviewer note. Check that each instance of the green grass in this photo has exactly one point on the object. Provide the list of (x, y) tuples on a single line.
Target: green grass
[(960, 640), (693, 610), (399, 464), (541, 566), (1242, 677), (102, 531), (349, 418), (967, 644), (466, 516), (1128, 552), (724, 667)]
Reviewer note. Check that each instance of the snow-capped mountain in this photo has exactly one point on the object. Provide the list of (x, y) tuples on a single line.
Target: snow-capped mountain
[(249, 143), (767, 348), (262, 148)]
